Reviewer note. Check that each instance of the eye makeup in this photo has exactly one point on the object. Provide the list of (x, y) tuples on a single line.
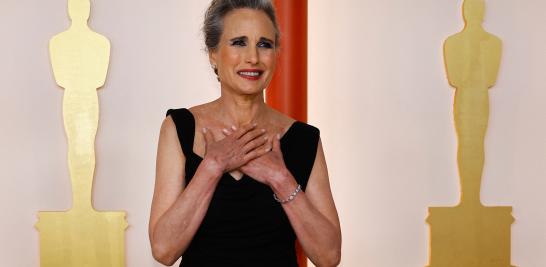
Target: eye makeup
[(243, 40), (265, 43), (238, 41)]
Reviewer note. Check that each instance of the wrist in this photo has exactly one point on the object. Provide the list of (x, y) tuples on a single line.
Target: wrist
[(283, 183), (212, 167)]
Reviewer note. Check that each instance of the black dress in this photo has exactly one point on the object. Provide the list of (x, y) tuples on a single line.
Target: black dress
[(244, 225)]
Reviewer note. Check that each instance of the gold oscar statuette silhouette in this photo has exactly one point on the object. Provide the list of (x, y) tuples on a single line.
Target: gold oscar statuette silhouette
[(471, 234), (81, 236)]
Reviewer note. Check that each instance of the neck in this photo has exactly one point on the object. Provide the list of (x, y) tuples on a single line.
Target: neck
[(474, 24), (240, 110), (79, 24)]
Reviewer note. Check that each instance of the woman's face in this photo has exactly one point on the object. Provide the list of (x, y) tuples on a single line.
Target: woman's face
[(246, 54)]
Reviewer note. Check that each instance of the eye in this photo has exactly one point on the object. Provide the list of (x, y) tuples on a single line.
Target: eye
[(238, 43), (265, 44)]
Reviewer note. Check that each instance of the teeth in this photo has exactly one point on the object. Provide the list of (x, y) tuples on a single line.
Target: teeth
[(248, 73)]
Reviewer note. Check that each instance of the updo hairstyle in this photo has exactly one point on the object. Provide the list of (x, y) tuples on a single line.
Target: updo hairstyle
[(218, 9)]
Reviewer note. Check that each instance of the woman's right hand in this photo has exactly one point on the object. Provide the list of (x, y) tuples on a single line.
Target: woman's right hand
[(235, 150)]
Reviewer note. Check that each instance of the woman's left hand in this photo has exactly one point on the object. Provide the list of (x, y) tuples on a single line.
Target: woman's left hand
[(269, 167)]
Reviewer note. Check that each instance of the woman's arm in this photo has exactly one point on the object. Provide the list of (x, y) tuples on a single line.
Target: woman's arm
[(312, 213), (178, 210)]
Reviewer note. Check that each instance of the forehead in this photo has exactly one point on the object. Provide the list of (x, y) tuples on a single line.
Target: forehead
[(248, 22)]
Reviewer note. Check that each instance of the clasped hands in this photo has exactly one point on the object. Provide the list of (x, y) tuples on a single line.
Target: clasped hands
[(248, 149)]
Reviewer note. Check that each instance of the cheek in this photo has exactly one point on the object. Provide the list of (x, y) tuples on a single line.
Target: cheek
[(234, 57), (231, 56), (271, 63), (269, 59), (227, 59)]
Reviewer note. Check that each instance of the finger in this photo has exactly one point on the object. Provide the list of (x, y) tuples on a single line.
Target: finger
[(251, 135), (256, 143), (243, 130), (226, 132), (256, 153), (269, 145), (277, 143), (259, 151)]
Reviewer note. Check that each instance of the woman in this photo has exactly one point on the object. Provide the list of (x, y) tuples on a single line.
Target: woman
[(237, 181)]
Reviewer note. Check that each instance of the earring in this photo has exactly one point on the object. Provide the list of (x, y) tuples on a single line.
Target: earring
[(215, 68)]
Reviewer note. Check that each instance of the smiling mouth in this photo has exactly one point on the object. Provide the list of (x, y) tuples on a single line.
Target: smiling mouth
[(250, 74)]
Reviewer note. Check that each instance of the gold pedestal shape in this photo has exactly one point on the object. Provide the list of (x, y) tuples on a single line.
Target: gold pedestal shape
[(466, 236), (82, 236), (470, 234)]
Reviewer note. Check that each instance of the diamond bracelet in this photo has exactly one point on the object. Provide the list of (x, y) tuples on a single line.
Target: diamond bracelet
[(290, 198)]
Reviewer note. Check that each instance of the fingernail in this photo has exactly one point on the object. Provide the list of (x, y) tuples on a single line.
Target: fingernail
[(224, 130), (267, 149), (233, 127), (263, 130), (204, 130), (278, 137), (266, 138), (254, 124)]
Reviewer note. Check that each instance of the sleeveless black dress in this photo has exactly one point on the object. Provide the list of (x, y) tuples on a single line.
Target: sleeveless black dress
[(244, 225)]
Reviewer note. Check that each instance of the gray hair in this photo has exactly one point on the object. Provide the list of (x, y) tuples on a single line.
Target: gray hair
[(218, 9)]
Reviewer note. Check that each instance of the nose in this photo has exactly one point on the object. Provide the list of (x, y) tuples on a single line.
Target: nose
[(252, 56)]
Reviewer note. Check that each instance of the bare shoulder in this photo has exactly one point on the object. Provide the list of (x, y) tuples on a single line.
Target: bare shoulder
[(168, 145), (203, 113), (200, 108), (167, 127), (281, 122)]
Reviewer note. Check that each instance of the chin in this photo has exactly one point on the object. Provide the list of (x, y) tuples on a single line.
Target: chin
[(251, 89)]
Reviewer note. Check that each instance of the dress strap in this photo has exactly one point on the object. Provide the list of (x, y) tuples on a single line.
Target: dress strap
[(299, 148), (185, 128)]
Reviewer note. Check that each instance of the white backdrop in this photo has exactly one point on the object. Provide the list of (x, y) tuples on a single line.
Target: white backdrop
[(377, 91)]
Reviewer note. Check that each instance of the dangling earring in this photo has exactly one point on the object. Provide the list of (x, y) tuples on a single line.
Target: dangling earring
[(215, 68)]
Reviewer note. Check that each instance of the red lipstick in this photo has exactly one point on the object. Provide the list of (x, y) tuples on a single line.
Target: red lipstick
[(250, 74)]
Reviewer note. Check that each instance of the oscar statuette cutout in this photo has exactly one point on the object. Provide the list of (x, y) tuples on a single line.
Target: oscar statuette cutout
[(471, 234), (81, 236)]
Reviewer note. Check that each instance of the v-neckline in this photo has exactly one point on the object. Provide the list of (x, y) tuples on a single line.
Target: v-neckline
[(200, 158)]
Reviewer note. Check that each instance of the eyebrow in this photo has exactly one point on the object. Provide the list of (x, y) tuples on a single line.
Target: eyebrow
[(246, 38), (238, 38), (266, 40)]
